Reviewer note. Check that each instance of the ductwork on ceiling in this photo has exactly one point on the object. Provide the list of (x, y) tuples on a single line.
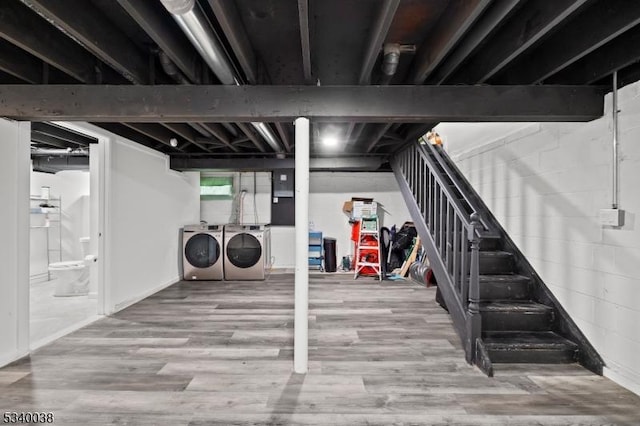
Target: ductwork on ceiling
[(198, 30)]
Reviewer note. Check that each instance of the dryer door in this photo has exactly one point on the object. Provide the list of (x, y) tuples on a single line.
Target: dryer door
[(243, 250), (202, 250)]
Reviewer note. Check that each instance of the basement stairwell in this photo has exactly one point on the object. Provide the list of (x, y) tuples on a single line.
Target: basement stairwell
[(500, 307)]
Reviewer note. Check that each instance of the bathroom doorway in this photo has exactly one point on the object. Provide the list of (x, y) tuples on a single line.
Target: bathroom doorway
[(63, 297)]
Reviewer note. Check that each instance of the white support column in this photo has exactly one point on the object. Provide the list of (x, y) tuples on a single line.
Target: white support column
[(301, 319)]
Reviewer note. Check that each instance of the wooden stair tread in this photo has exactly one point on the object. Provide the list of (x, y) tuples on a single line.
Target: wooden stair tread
[(522, 340), (515, 306)]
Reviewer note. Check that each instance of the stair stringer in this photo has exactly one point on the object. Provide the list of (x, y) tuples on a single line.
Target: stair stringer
[(563, 323)]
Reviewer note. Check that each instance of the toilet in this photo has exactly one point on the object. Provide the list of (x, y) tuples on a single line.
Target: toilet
[(71, 278)]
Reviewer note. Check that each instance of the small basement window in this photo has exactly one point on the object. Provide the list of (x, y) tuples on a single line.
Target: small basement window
[(216, 188)]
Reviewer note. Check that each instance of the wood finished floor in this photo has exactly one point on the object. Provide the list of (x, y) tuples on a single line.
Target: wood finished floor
[(220, 353)]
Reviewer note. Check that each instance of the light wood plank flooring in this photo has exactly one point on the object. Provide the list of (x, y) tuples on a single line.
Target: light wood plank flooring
[(220, 353)]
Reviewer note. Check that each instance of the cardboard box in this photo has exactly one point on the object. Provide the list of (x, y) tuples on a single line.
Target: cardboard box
[(364, 209), (347, 206)]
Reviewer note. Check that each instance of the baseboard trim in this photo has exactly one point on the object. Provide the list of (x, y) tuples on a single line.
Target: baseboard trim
[(68, 330), (122, 305), (4, 361), (623, 377)]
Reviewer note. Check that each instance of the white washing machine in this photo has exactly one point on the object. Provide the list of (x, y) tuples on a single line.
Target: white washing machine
[(202, 257), (247, 252)]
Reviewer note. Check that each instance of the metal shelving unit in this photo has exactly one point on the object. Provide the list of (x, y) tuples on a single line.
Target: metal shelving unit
[(50, 209)]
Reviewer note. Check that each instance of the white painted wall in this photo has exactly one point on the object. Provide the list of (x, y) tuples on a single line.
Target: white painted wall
[(327, 192), (73, 187), (147, 204), (14, 243), (546, 183)]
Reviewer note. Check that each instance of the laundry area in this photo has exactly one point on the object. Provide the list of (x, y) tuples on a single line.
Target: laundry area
[(237, 240), (319, 212)]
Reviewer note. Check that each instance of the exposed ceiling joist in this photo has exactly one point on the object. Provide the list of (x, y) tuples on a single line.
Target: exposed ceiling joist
[(456, 20), (597, 25), (252, 137), (284, 135), (617, 54), (25, 29), (81, 20), (164, 32), (186, 132), (153, 131), (230, 21), (376, 40), (62, 134), (534, 21), (483, 27), (218, 131), (284, 103), (20, 64), (259, 164), (380, 132), (133, 135), (43, 139), (303, 18)]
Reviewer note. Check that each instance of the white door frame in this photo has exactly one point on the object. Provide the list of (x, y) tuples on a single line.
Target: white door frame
[(99, 201)]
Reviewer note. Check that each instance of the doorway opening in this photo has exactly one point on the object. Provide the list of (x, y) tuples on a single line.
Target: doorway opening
[(63, 294)]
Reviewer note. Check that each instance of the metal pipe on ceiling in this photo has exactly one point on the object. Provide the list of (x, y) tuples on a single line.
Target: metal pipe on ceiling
[(192, 20), (60, 152)]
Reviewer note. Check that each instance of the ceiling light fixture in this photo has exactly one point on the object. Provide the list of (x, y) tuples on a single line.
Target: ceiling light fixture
[(330, 141), (173, 142)]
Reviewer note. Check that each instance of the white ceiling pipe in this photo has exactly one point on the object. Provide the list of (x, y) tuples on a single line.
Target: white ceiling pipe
[(198, 30), (60, 152)]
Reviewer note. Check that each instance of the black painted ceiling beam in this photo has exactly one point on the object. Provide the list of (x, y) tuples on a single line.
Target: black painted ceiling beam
[(25, 29), (187, 163), (219, 132), (227, 15), (284, 135), (303, 19), (186, 132), (481, 29), (596, 25), (42, 139), (377, 37), (252, 137), (455, 21), (407, 104), (62, 134), (84, 22), (615, 55), (163, 30), (19, 63), (153, 131), (527, 27), (133, 135)]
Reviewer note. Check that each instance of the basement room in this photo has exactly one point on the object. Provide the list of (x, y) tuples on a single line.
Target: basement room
[(319, 212)]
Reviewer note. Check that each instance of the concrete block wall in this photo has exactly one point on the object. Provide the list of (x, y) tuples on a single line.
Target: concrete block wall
[(546, 183)]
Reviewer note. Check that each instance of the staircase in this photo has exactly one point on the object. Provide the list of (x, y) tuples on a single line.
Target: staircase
[(501, 309)]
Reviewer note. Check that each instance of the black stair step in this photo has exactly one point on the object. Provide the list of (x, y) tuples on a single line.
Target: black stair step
[(496, 262), (490, 243), (504, 287), (529, 347), (516, 316)]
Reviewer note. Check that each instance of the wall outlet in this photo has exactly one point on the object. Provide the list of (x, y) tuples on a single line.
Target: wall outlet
[(611, 217)]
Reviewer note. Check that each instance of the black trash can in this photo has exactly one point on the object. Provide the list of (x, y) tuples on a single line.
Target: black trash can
[(329, 254)]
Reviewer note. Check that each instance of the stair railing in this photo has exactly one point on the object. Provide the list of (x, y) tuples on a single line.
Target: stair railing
[(449, 229)]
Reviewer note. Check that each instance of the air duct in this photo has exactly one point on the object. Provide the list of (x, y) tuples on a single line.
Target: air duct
[(198, 30)]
